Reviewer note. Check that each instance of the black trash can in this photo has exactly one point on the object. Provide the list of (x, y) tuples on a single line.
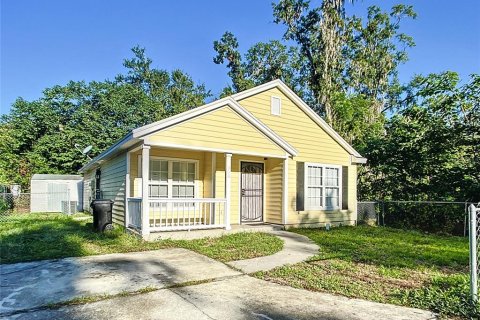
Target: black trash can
[(102, 214)]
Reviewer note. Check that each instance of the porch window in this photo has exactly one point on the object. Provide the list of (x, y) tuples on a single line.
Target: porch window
[(322, 186), (183, 182), (158, 186), (172, 178)]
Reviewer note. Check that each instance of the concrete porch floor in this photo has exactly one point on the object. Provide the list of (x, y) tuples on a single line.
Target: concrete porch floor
[(212, 233)]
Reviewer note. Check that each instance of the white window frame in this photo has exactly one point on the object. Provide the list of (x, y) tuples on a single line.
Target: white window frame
[(170, 183), (272, 98), (323, 186), (158, 183)]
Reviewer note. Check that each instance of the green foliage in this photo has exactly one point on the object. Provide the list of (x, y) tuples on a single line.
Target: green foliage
[(48, 236), (40, 136), (430, 148), (445, 218), (5, 206), (357, 116), (227, 49), (445, 294), (263, 62), (375, 50)]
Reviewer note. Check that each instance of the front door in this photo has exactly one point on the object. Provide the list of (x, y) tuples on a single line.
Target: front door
[(251, 192)]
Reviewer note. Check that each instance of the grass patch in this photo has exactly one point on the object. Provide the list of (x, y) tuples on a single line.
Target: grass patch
[(386, 265), (32, 237), (237, 246)]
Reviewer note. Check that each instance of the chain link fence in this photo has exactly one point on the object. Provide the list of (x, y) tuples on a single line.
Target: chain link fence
[(13, 204), (474, 244), (448, 217)]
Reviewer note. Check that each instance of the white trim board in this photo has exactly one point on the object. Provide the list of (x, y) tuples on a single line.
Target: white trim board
[(219, 150)]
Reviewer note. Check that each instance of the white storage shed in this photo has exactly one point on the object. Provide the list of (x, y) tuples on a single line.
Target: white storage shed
[(56, 193)]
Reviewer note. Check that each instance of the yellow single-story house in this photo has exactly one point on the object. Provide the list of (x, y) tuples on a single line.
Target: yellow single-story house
[(258, 156)]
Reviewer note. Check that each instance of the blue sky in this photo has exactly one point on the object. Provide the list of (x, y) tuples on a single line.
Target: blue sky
[(44, 43)]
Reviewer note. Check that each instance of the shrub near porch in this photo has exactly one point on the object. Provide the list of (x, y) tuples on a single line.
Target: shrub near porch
[(386, 265), (31, 237)]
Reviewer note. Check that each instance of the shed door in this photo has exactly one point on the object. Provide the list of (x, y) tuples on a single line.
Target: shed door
[(57, 193), (251, 196)]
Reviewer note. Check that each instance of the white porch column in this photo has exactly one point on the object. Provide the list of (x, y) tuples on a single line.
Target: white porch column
[(145, 200), (285, 191), (228, 184)]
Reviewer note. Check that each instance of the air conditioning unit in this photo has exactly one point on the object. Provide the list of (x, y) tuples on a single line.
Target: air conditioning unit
[(73, 207)]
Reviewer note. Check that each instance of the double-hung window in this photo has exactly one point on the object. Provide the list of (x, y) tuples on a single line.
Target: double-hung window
[(322, 186), (172, 178), (183, 179), (158, 185)]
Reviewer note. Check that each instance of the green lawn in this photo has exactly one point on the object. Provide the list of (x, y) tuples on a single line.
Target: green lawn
[(31, 237), (386, 265)]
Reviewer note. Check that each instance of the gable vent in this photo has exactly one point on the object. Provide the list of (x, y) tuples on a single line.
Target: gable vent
[(276, 106)]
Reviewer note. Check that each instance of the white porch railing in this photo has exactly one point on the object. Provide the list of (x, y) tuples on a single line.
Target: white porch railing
[(186, 214), (135, 212), (178, 214)]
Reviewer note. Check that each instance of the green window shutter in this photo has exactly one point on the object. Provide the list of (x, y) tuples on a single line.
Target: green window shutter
[(345, 194), (300, 186)]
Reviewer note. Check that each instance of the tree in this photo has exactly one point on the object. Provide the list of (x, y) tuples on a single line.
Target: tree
[(40, 136), (430, 149), (263, 62), (339, 64)]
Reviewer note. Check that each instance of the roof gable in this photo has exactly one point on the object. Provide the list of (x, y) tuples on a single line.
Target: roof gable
[(220, 130), (197, 112), (305, 108)]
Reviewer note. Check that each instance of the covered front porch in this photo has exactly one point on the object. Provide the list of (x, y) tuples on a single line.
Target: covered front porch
[(193, 188)]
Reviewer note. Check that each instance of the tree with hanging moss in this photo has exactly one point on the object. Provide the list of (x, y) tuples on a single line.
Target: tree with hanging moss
[(342, 66)]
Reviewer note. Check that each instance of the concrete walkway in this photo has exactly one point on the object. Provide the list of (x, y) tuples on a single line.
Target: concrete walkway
[(296, 248), (239, 297)]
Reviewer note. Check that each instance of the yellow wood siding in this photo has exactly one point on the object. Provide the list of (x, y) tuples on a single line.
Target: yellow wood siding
[(220, 129), (273, 191), (112, 185), (313, 145)]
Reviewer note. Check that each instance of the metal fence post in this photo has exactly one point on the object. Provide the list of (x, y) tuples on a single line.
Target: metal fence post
[(472, 216)]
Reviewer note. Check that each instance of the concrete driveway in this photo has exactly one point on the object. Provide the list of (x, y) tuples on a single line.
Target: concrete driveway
[(240, 297), (34, 284), (223, 293)]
